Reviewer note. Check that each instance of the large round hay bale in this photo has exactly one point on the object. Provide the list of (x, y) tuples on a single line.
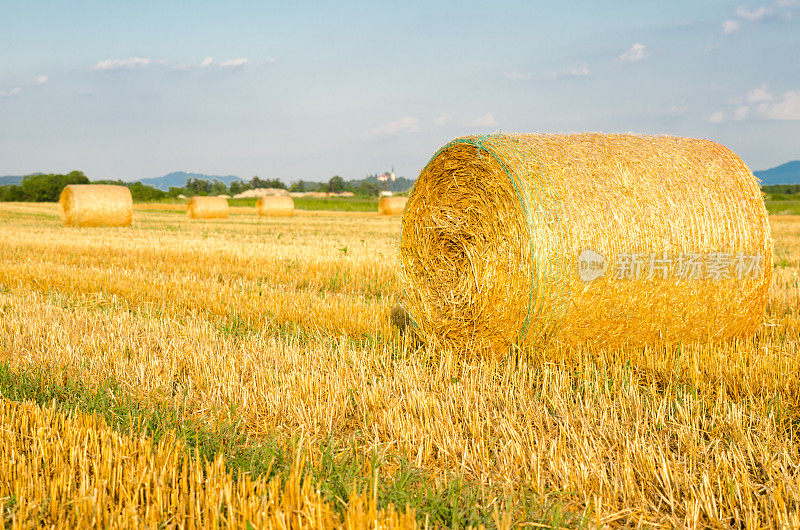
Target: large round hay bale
[(96, 205), (586, 238), (207, 208), (275, 206), (391, 205)]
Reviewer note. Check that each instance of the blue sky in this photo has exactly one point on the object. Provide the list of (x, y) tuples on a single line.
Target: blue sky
[(129, 90)]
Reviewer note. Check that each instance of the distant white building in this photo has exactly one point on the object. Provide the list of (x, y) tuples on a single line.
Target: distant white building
[(389, 176)]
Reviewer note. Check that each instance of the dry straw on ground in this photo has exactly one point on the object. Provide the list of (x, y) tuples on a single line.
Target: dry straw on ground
[(96, 205), (207, 208), (495, 226), (392, 205), (275, 206)]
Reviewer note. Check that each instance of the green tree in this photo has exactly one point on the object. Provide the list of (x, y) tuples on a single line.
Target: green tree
[(42, 188), (256, 182), (336, 184), (198, 186)]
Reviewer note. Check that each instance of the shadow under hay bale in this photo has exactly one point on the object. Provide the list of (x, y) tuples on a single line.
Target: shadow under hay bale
[(95, 205), (587, 238), (275, 206), (391, 205), (207, 208)]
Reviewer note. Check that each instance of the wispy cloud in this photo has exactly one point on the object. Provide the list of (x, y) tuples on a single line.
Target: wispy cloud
[(119, 64), (486, 121), (637, 52), (716, 117), (574, 71), (752, 16), (759, 103), (758, 94), (406, 124), (442, 119), (40, 80), (10, 93), (730, 27), (234, 63), (230, 64), (517, 76), (788, 108), (781, 9)]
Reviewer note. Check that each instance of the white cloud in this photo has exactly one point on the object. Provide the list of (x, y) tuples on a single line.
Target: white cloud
[(116, 64), (442, 120), (9, 93), (788, 108), (40, 80), (485, 121), (740, 113), (759, 94), (716, 117), (752, 16), (787, 3), (637, 52), (678, 109), (406, 124), (234, 63), (516, 76), (712, 47), (581, 70), (730, 26), (231, 64)]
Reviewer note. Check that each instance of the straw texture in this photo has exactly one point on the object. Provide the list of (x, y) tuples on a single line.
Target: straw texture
[(275, 206), (588, 238), (391, 205), (207, 208), (95, 205)]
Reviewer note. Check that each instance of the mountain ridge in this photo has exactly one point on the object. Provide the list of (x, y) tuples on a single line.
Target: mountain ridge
[(788, 173)]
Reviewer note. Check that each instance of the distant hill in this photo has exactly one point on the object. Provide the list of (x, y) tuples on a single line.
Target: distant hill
[(788, 173), (9, 180), (177, 179)]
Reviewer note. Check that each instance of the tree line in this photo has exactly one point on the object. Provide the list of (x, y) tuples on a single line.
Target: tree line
[(48, 187)]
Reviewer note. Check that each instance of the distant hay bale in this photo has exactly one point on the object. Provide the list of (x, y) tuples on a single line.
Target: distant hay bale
[(207, 208), (275, 206), (96, 205), (391, 205), (586, 238)]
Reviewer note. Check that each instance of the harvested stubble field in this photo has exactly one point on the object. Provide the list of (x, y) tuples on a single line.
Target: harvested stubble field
[(202, 373)]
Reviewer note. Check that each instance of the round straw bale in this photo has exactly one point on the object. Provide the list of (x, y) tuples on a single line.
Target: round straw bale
[(275, 206), (96, 205), (586, 238), (391, 205), (207, 208)]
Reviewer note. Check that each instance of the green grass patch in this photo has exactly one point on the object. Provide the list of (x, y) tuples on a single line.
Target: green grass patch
[(450, 502), (783, 207)]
